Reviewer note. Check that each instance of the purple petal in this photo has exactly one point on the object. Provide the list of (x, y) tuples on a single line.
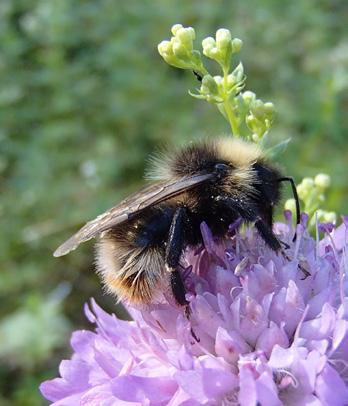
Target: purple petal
[(267, 392), (155, 390), (207, 384), (270, 337), (330, 388), (247, 387), (230, 345), (281, 358)]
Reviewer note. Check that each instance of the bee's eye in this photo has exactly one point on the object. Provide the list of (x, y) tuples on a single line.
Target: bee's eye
[(221, 168)]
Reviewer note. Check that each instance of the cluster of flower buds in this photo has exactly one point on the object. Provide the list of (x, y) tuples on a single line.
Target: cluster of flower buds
[(179, 50), (248, 116), (221, 48), (217, 89), (259, 117), (311, 191)]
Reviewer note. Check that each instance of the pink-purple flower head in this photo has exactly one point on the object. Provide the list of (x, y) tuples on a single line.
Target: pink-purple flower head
[(266, 335)]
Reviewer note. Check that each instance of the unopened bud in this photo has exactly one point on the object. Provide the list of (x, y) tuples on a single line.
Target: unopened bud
[(322, 180), (179, 49), (269, 108), (257, 108), (209, 47), (164, 48), (176, 28), (186, 36), (248, 96), (307, 182), (223, 38), (236, 45)]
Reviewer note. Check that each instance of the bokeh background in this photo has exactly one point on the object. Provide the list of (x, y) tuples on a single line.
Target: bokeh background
[(85, 98)]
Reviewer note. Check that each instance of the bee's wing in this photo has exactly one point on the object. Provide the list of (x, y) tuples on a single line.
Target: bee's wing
[(146, 197)]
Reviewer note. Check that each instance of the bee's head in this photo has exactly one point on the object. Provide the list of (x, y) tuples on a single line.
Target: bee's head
[(235, 166), (225, 156), (238, 153)]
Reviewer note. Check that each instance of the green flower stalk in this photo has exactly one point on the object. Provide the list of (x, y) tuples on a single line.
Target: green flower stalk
[(248, 116)]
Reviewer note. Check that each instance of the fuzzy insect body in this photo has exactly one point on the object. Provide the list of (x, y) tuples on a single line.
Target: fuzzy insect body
[(142, 239)]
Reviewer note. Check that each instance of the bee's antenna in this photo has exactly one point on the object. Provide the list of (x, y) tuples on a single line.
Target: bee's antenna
[(199, 77), (297, 201)]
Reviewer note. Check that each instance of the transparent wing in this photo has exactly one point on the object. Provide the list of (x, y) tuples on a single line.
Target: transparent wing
[(134, 204)]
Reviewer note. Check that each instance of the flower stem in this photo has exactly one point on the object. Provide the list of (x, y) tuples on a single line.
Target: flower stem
[(228, 109)]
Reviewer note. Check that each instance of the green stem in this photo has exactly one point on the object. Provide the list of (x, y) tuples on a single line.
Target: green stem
[(228, 109)]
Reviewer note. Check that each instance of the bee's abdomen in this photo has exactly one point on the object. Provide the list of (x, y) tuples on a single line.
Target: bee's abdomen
[(129, 271)]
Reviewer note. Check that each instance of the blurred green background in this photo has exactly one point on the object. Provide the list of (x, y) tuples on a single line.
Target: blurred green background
[(85, 97)]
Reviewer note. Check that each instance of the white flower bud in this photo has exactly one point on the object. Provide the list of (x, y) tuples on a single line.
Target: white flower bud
[(269, 107), (322, 180), (305, 188), (186, 36), (175, 28), (257, 108), (302, 191), (248, 96), (236, 45), (307, 183), (164, 48), (223, 38), (179, 49), (208, 45)]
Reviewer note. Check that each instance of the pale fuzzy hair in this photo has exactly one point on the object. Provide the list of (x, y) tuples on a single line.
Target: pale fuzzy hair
[(240, 154), (116, 263)]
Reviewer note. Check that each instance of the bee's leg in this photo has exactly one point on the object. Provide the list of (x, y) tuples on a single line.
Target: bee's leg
[(250, 213), (267, 235), (275, 244), (178, 287), (284, 244), (175, 244), (297, 200)]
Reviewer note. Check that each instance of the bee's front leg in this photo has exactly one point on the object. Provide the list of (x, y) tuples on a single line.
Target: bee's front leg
[(175, 245)]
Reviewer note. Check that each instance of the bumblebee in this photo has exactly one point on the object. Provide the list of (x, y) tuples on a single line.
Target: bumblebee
[(141, 240)]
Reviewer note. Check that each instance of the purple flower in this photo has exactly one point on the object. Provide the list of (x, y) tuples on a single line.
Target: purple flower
[(266, 335)]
